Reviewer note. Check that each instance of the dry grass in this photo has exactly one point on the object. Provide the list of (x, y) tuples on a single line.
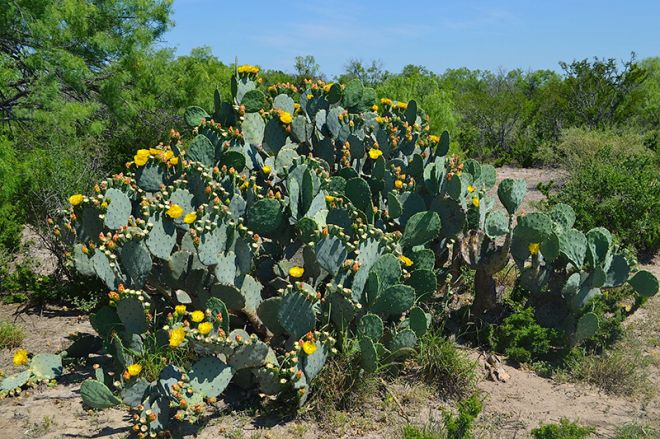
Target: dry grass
[(11, 335)]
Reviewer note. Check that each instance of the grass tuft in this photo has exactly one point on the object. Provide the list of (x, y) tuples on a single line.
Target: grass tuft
[(445, 367), (11, 335), (565, 429)]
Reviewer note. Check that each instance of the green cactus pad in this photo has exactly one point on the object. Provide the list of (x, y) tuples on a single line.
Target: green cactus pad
[(497, 224), (452, 216), (274, 136), (421, 228), (201, 150), (151, 177), (313, 364), (403, 342), (90, 225), (136, 261), (424, 282), (46, 366), (573, 245), (131, 313), (443, 145), (194, 115), (211, 244), (162, 236), (134, 393), (253, 128), (534, 227), (511, 193), (368, 355), (296, 315), (219, 314), (599, 241), (265, 216), (358, 191), (423, 259), (618, 272), (587, 327), (119, 209), (370, 326), (249, 355), (210, 376), (645, 283), (268, 312), (104, 271), (254, 100), (15, 381), (563, 214), (340, 309), (394, 301), (83, 263), (388, 269), (97, 395), (419, 321), (330, 254)]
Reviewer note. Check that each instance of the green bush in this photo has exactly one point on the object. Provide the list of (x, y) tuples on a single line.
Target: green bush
[(617, 189), (454, 426), (565, 429), (523, 339)]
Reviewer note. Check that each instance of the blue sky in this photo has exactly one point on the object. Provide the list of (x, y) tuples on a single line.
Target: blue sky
[(438, 34)]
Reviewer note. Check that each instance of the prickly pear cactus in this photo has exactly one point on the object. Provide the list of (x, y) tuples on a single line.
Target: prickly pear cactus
[(286, 217)]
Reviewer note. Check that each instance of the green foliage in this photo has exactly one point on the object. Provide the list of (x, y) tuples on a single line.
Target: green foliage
[(617, 189), (636, 431), (454, 426), (523, 340), (565, 429)]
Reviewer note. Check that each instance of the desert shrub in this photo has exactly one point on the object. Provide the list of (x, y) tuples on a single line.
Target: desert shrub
[(578, 144), (445, 367), (523, 339), (617, 189), (565, 429)]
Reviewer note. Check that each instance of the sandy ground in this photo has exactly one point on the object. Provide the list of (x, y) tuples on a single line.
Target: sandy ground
[(511, 409)]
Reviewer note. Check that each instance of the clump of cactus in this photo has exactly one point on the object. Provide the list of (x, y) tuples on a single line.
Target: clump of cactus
[(288, 217), (38, 369)]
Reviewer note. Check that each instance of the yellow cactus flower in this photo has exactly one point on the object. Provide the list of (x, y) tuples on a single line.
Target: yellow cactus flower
[(180, 310), (266, 169), (475, 202), (141, 157), (205, 327), (197, 316), (154, 151), (248, 69), (76, 199), (296, 107), (381, 119), (534, 248), (406, 261), (309, 347), (433, 138), (374, 107), (328, 86), (174, 161), (309, 96), (134, 369), (166, 156), (386, 101), (104, 205), (470, 188), (21, 358), (329, 198), (375, 153), (285, 117), (401, 105), (190, 218), (177, 336), (174, 211), (296, 271), (398, 184)]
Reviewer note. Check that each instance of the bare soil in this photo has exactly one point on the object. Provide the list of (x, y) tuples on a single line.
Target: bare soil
[(511, 409)]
